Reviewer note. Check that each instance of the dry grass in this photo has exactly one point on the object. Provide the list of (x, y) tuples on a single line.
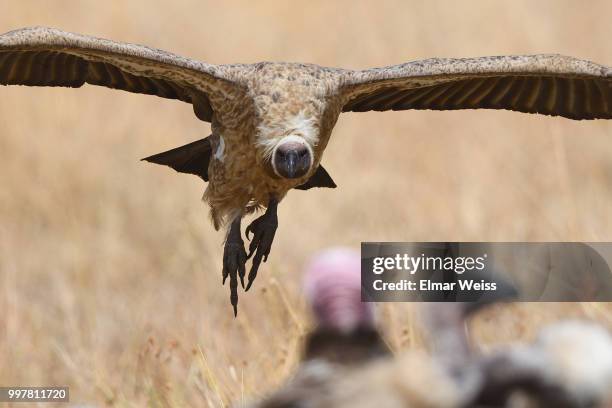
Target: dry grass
[(109, 270)]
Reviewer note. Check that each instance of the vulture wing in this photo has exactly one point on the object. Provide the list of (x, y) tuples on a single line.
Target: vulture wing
[(547, 84), (48, 57)]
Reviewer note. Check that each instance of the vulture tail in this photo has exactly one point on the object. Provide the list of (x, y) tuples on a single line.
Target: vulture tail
[(193, 158)]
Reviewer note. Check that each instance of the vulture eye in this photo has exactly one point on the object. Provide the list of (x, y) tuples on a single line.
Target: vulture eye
[(292, 160)]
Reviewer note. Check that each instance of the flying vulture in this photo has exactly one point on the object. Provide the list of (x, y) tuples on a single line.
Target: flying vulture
[(271, 121)]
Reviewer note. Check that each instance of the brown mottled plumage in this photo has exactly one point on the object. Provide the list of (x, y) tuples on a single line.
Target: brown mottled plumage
[(271, 121)]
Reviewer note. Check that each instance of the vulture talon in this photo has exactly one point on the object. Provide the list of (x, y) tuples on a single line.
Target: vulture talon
[(263, 229), (234, 262), (249, 230)]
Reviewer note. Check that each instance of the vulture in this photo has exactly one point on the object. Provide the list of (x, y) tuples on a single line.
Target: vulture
[(346, 331), (345, 337), (270, 121)]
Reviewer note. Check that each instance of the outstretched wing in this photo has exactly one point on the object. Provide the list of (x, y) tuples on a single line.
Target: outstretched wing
[(547, 84), (48, 57)]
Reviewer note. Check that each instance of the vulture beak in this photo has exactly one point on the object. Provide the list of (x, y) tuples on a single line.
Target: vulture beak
[(292, 158)]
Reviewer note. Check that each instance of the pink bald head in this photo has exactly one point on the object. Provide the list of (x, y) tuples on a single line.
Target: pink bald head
[(332, 284)]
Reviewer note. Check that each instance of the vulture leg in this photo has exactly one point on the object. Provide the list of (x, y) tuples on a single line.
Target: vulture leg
[(263, 229), (234, 260)]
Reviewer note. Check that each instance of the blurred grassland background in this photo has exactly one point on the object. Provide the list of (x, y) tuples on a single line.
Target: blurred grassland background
[(110, 277)]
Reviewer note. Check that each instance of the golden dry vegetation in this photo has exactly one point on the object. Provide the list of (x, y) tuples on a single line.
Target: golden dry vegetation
[(110, 272)]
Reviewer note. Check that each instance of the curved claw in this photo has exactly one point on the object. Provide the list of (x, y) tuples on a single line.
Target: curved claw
[(225, 273), (263, 229), (253, 273), (248, 231), (254, 268)]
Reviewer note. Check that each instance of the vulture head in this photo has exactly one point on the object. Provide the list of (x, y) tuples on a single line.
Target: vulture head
[(289, 146), (346, 330), (292, 157)]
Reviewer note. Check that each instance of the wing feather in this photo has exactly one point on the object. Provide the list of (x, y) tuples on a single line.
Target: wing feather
[(42, 56), (547, 84)]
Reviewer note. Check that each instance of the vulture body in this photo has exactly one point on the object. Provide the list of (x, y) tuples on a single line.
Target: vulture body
[(271, 121)]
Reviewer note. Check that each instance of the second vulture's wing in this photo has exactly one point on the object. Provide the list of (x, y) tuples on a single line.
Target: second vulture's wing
[(42, 56), (547, 84)]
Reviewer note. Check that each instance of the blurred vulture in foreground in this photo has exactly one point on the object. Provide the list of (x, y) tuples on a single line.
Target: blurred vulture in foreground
[(346, 363), (271, 121), (345, 339)]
